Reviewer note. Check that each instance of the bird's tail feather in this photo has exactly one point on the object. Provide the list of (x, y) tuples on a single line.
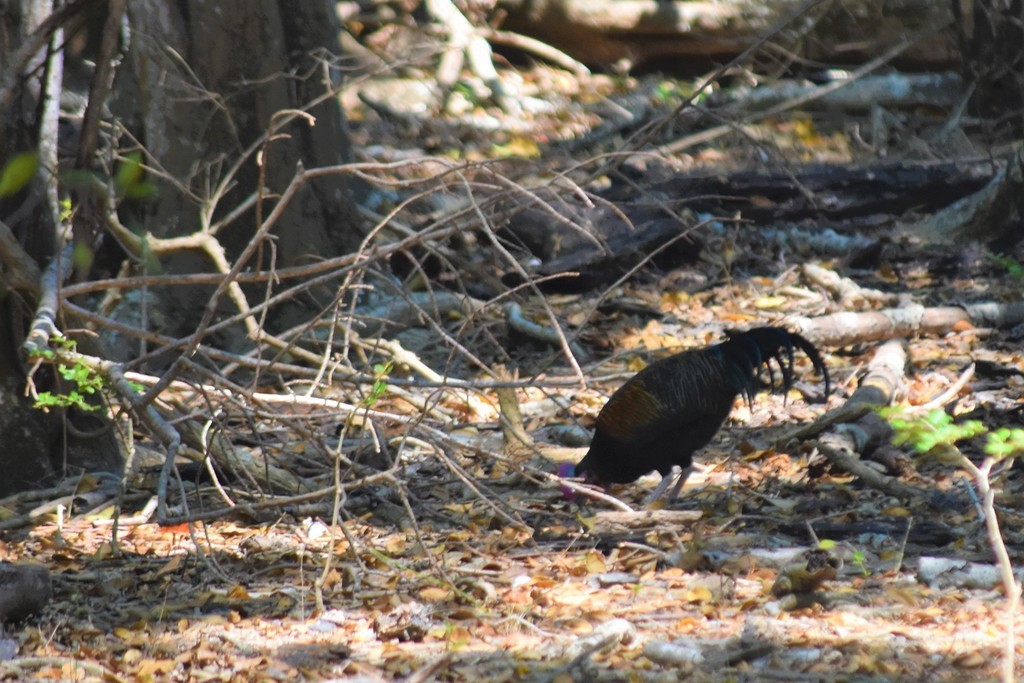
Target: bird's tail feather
[(751, 353)]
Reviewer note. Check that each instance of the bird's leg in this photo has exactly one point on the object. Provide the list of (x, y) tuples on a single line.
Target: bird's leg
[(679, 476), (683, 476), (662, 486)]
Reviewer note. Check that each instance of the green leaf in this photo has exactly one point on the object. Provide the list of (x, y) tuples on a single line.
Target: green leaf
[(380, 383), (83, 257), (1013, 268), (18, 172), (65, 210), (130, 180), (1005, 443)]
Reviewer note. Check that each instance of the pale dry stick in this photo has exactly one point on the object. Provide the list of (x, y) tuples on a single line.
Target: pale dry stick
[(946, 396), (1011, 587), (200, 241), (190, 341), (211, 308), (295, 370), (403, 356), (591, 492), (541, 49), (208, 462), (520, 323), (466, 42)]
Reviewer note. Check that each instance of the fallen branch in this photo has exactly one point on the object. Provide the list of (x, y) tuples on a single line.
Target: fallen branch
[(860, 430), (842, 329)]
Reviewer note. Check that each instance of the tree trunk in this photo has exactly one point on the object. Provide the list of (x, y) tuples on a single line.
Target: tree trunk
[(34, 445), (203, 84), (200, 87)]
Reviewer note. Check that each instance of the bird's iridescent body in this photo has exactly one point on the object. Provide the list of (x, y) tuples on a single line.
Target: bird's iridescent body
[(673, 407)]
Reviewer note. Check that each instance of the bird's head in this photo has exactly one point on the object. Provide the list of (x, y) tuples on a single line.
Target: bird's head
[(568, 471)]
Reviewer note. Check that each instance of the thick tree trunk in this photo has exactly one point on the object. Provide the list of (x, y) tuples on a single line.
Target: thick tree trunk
[(201, 86), (34, 445), (205, 82)]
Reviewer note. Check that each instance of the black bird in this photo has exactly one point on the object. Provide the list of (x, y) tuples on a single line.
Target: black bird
[(673, 407)]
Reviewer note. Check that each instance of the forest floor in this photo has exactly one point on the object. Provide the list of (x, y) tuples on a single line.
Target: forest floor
[(425, 578)]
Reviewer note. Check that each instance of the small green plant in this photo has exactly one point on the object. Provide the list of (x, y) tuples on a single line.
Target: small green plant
[(84, 380), (455, 638), (860, 561), (666, 92), (1013, 267), (933, 429), (65, 209), (380, 383), (18, 172), (130, 179), (936, 432), (857, 557), (1004, 443)]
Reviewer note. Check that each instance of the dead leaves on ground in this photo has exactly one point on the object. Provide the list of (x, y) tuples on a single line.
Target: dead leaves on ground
[(487, 605)]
